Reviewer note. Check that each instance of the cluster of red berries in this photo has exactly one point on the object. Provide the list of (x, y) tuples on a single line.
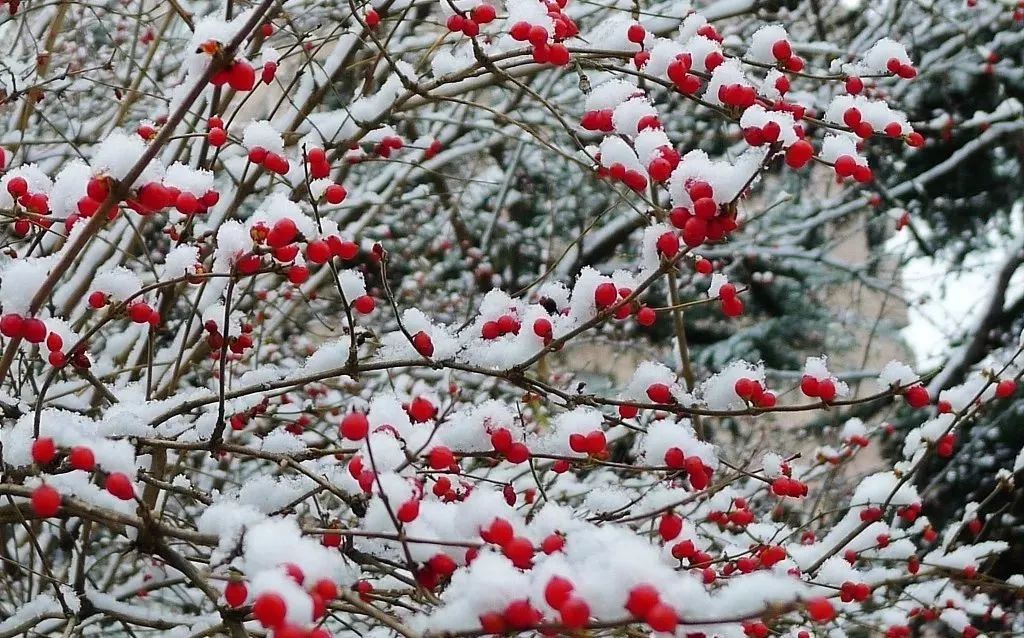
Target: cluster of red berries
[(902, 69), (679, 72), (847, 166), (786, 485), (573, 612), (782, 51), (738, 96), (503, 325), (768, 133), (644, 603), (824, 389), (858, 440), (239, 74), (239, 420), (271, 610), (273, 162), (388, 145), (850, 591), (282, 239), (320, 168), (46, 499), (517, 549), (33, 330), (660, 168), (513, 451), (634, 180), (444, 490), (37, 203), (237, 344), (518, 615), (469, 23), (739, 515), (732, 306), (149, 199), (754, 392), (593, 443), (142, 312), (763, 557), (608, 294), (707, 221), (548, 48), (696, 471)]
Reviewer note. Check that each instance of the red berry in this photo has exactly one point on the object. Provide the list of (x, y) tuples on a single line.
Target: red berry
[(646, 316), (642, 599), (557, 591), (216, 136), (423, 344), (120, 486), (34, 330), (421, 410), (558, 54), (241, 76), (820, 610), (552, 543), (518, 453), (661, 617), (364, 304), (575, 613), (44, 450), (636, 33), (17, 186), (826, 390), (520, 551), (917, 396), (520, 31), (282, 233), (45, 501), (605, 295), (97, 300), (257, 154), (668, 245), (483, 13), (670, 526), (659, 393), (82, 458), (809, 386), (298, 274), (318, 252), (335, 194), (440, 458), (270, 610), (355, 426), (782, 50), (236, 593), (1006, 388), (799, 154), (732, 306), (408, 511)]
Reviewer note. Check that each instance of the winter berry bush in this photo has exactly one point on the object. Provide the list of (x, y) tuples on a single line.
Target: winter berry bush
[(305, 306)]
